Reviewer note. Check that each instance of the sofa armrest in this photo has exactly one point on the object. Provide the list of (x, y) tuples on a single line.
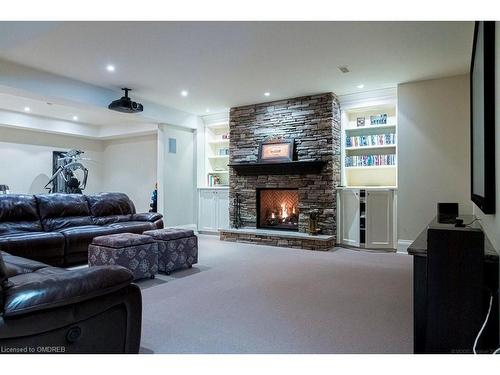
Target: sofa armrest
[(147, 216), (43, 290)]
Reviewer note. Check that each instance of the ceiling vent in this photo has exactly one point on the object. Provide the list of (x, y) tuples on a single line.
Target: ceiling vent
[(343, 69)]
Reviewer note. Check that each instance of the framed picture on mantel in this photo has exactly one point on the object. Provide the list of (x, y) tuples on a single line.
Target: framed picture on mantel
[(276, 150)]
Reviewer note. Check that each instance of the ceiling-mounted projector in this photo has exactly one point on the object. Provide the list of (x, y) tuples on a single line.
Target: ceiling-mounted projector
[(125, 104)]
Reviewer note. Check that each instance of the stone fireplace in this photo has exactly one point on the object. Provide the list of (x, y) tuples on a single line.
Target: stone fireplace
[(271, 204), (278, 208)]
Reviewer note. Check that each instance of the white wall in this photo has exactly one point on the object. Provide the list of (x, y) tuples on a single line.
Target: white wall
[(433, 150), (26, 159), (177, 174), (129, 166)]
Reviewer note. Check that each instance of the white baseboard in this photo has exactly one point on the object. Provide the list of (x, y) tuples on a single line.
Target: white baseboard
[(403, 245)]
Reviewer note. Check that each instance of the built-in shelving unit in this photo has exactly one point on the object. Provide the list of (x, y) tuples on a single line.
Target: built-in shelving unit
[(369, 143), (217, 154), (367, 194), (213, 173)]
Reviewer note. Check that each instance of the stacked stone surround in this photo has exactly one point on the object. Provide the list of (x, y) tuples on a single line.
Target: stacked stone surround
[(314, 122), (310, 243)]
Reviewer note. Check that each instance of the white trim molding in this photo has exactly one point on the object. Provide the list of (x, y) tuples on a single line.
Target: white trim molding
[(403, 246), (368, 98)]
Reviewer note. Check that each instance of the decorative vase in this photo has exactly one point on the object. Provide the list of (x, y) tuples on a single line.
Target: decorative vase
[(313, 222)]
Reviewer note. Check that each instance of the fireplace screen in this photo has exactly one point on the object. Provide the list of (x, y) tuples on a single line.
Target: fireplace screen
[(278, 209)]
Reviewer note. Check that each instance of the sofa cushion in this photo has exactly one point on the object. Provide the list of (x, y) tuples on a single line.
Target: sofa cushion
[(147, 216), (110, 204), (59, 211), (15, 265), (168, 234), (118, 241), (133, 226), (3, 271), (42, 246), (105, 220), (78, 239), (3, 281), (54, 287), (18, 213)]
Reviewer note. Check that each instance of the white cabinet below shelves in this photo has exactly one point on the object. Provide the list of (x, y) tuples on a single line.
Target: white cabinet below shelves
[(379, 219), (206, 212), (213, 211), (367, 218), (350, 216)]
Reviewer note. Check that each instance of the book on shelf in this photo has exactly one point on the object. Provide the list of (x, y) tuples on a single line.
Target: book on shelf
[(370, 160), (223, 151), (217, 178), (213, 180), (371, 140)]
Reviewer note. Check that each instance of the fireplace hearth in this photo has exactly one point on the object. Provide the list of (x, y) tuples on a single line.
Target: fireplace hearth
[(278, 209)]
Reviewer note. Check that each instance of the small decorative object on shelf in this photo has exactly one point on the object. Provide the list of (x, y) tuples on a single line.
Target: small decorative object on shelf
[(4, 189), (313, 222), (379, 119), (225, 136), (154, 200), (360, 121)]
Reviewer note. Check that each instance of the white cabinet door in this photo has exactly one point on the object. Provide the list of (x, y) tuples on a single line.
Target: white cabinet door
[(207, 211), (222, 209), (349, 200), (379, 224)]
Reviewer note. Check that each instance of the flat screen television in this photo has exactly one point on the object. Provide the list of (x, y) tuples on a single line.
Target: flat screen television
[(482, 103)]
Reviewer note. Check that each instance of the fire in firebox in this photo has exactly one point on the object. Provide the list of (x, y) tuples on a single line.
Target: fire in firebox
[(278, 209)]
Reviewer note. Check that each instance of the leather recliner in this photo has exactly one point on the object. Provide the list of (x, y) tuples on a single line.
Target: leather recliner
[(57, 228), (46, 309)]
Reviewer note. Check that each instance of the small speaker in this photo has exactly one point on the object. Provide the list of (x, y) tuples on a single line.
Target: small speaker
[(447, 212)]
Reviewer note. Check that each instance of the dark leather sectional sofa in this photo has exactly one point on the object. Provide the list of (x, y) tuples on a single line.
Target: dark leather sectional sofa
[(47, 309), (57, 228)]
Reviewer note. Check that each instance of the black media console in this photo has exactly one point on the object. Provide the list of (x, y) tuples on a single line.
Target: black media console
[(455, 271)]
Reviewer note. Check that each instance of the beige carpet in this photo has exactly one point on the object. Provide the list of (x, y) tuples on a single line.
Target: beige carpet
[(243, 298)]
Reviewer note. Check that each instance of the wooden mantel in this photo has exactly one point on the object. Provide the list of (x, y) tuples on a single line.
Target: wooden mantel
[(281, 168)]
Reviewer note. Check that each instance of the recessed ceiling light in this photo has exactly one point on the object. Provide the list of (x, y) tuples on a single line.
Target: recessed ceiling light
[(360, 86), (27, 109), (267, 93), (75, 118), (184, 93), (110, 68)]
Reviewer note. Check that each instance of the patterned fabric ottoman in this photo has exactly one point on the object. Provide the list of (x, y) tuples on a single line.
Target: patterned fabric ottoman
[(136, 252), (177, 248)]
